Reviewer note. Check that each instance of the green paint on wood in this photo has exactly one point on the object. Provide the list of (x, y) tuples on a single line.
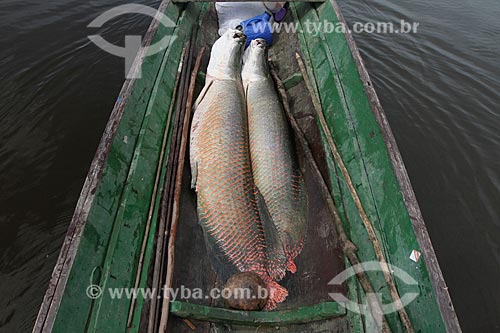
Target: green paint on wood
[(360, 143), (301, 315), (292, 80), (115, 226)]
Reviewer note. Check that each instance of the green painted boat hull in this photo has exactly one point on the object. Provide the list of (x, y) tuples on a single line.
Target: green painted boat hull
[(104, 240)]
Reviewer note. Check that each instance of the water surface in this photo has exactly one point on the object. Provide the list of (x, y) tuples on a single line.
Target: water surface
[(57, 90)]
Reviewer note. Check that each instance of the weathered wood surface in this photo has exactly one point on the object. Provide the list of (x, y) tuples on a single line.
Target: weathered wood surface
[(438, 282), (300, 315)]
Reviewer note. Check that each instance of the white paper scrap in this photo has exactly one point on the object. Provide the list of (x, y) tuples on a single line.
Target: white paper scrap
[(415, 255)]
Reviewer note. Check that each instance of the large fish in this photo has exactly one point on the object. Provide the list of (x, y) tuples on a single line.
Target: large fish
[(274, 161), (228, 203)]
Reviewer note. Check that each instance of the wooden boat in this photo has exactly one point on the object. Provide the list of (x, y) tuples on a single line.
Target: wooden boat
[(113, 236)]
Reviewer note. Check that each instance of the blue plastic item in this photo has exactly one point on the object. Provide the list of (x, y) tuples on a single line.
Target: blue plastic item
[(258, 27), (280, 15)]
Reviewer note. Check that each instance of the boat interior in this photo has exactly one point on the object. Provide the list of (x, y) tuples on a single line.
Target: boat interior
[(320, 260)]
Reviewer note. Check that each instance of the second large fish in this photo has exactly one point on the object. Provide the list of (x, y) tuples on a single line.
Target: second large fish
[(274, 161)]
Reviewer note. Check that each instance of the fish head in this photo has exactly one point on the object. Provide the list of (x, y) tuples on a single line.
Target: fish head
[(226, 56), (255, 67)]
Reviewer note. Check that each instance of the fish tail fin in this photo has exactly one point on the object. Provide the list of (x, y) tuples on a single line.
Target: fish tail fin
[(277, 294), (276, 258)]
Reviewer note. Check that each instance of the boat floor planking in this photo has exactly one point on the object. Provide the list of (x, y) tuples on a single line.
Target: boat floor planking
[(321, 258)]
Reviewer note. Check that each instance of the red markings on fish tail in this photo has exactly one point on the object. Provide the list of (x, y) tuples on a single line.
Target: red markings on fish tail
[(277, 294), (291, 253)]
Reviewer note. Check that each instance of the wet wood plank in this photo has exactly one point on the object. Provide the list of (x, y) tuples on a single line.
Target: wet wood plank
[(300, 315)]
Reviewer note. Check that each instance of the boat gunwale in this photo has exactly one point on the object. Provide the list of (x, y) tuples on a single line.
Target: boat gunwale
[(435, 274), (53, 296)]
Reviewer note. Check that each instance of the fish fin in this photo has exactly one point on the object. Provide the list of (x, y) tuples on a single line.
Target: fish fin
[(276, 263), (217, 258), (202, 94), (245, 88), (294, 240), (194, 174), (277, 294)]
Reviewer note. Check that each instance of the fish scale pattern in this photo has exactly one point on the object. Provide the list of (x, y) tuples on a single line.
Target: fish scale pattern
[(275, 168), (227, 208)]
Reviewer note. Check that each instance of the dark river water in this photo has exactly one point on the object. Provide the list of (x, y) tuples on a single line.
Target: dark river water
[(439, 87)]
